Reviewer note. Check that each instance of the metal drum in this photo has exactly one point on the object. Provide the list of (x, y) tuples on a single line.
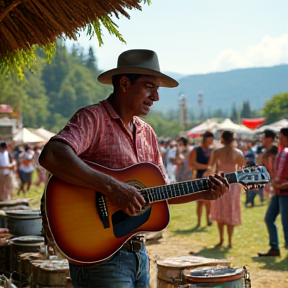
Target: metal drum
[(170, 271), (215, 277)]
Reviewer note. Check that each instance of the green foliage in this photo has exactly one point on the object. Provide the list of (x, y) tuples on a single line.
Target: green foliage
[(276, 108), (19, 61), (234, 114), (246, 112), (162, 126), (49, 96)]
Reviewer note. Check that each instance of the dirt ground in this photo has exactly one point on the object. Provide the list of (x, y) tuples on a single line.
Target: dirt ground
[(165, 247)]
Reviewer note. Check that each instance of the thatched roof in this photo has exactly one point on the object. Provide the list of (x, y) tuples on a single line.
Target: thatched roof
[(27, 22)]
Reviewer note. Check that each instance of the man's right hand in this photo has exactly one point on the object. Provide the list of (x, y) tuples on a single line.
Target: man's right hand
[(126, 197)]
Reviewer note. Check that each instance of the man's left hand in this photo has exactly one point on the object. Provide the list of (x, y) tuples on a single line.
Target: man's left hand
[(218, 186)]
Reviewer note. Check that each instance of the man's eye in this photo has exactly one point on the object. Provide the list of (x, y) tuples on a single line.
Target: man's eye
[(150, 86)]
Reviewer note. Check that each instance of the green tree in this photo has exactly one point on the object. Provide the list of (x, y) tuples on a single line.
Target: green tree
[(91, 61), (276, 108), (34, 103), (218, 113), (54, 74), (234, 114), (246, 111), (28, 97), (162, 126)]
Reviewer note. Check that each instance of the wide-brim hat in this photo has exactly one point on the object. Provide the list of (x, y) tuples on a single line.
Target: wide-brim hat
[(138, 61)]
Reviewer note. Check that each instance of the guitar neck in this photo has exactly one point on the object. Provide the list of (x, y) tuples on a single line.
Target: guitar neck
[(170, 191)]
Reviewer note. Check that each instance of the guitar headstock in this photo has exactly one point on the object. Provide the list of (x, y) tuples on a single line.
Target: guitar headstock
[(253, 176)]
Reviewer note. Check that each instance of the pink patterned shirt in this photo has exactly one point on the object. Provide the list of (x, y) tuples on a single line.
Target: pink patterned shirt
[(281, 169), (97, 133)]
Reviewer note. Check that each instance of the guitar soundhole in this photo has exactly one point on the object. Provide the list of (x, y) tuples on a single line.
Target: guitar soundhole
[(138, 185)]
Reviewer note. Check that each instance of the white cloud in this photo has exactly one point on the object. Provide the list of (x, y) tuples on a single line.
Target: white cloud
[(268, 52)]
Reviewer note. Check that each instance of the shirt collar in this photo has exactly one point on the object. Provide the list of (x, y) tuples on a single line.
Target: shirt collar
[(110, 109)]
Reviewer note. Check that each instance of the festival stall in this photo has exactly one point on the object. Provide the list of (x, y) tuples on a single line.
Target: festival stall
[(26, 136), (43, 133), (276, 126), (208, 125)]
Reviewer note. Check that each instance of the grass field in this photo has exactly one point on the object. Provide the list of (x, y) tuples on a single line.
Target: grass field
[(248, 239)]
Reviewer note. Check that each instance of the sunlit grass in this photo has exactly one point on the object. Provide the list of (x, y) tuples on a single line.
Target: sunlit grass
[(249, 238), (34, 194)]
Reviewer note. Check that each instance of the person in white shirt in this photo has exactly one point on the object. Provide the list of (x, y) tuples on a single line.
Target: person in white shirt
[(5, 173)]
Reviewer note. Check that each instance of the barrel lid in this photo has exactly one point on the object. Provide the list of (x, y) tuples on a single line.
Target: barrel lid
[(190, 261), (213, 274), (28, 239), (25, 214)]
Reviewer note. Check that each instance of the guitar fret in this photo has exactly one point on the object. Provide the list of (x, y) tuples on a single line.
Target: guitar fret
[(174, 190)]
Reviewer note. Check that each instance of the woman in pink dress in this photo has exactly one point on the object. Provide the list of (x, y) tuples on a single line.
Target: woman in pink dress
[(227, 209)]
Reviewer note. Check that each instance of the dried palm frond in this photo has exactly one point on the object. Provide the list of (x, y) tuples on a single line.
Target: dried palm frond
[(26, 23)]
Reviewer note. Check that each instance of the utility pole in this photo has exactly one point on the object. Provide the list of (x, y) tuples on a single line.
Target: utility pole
[(200, 101), (183, 113)]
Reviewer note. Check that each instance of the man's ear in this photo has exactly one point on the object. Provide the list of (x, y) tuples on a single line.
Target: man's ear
[(124, 83)]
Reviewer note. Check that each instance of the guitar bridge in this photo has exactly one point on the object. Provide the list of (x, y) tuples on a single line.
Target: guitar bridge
[(102, 209)]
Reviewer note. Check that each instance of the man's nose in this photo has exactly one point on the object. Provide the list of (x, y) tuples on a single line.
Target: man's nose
[(155, 95)]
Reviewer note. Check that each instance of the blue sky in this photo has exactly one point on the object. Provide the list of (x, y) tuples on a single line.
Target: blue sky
[(201, 36)]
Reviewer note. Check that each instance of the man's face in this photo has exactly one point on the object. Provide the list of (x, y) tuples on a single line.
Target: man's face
[(181, 147), (267, 141), (209, 141), (283, 140), (142, 94)]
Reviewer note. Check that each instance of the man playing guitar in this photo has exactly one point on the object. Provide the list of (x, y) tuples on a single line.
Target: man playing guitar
[(111, 135)]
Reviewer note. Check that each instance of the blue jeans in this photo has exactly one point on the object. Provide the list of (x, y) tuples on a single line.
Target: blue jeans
[(123, 270), (278, 204)]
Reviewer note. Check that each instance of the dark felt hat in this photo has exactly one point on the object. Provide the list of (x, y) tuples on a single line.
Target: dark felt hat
[(138, 61)]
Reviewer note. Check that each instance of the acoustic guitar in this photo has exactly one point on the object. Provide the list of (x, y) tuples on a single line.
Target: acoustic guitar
[(88, 228)]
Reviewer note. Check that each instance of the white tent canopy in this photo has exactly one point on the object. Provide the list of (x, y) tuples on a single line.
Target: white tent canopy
[(208, 125), (276, 126), (25, 136), (227, 124), (43, 133)]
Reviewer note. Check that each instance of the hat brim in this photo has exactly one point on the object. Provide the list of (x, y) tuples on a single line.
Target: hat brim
[(164, 80)]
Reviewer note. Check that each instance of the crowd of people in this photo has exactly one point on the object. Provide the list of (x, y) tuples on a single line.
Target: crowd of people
[(17, 163), (228, 155)]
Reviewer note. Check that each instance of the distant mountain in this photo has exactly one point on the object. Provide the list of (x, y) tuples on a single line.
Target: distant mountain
[(174, 75), (222, 89)]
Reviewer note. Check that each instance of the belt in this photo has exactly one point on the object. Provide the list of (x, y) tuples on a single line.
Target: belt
[(134, 244)]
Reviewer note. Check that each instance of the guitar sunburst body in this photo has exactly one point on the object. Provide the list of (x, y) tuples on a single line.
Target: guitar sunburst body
[(88, 228)]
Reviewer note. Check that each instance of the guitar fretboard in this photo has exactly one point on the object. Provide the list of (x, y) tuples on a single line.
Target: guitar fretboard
[(174, 190), (160, 193)]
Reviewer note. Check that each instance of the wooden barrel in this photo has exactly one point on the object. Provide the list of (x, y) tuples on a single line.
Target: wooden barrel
[(23, 244), (215, 277), (170, 271), (25, 266), (49, 273), (4, 254)]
